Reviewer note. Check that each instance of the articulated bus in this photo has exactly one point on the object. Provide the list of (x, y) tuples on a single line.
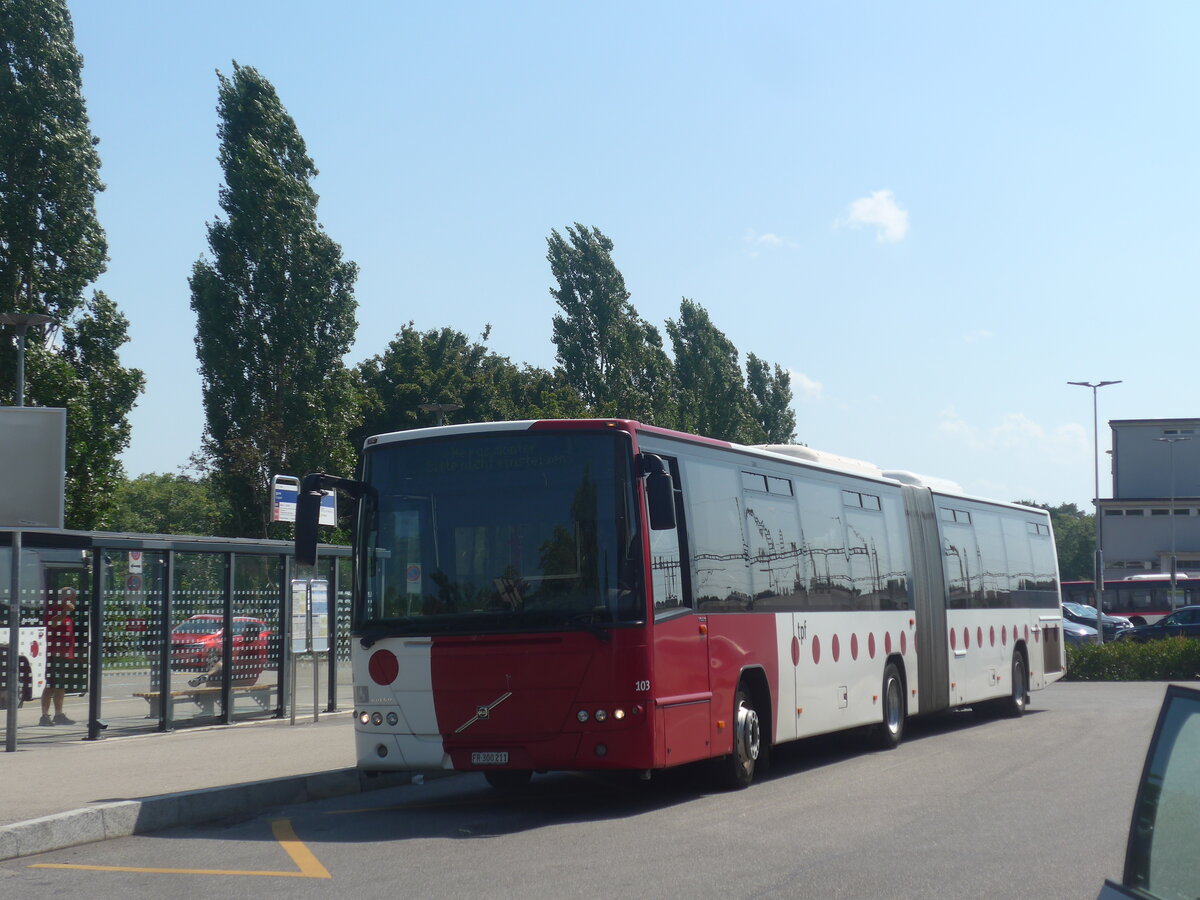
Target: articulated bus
[(1143, 599), (602, 594)]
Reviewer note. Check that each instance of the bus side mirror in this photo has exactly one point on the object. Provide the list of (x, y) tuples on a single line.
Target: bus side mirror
[(308, 514), (660, 492)]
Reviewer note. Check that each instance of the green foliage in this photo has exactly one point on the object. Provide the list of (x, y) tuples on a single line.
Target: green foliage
[(712, 397), (101, 394), (607, 352), (445, 366), (770, 401), (275, 312), (52, 247), (1074, 539), (1169, 659), (168, 504)]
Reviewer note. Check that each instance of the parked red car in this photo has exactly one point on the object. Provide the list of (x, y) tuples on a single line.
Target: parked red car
[(196, 646)]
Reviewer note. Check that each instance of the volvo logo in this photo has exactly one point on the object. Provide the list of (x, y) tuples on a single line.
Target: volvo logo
[(483, 713)]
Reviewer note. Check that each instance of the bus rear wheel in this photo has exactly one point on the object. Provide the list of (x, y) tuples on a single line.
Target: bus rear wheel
[(890, 732), (1014, 706), (508, 779)]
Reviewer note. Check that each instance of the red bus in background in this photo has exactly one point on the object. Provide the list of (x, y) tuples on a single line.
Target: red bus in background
[(602, 594), (1143, 599)]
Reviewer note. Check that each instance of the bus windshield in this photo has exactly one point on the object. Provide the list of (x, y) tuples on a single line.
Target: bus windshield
[(507, 531)]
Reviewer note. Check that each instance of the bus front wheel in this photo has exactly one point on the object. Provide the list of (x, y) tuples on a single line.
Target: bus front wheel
[(739, 765)]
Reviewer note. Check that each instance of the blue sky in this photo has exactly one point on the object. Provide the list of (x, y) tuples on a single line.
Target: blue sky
[(934, 215)]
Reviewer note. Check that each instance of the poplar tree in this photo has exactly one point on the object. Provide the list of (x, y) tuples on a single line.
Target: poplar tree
[(274, 311), (611, 356), (770, 390), (52, 247), (713, 400)]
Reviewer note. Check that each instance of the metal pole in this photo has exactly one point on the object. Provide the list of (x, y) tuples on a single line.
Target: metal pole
[(13, 662), (1171, 442), (1098, 575), (21, 322)]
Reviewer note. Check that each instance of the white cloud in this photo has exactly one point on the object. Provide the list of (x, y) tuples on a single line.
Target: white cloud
[(803, 387), (755, 242), (1016, 433), (881, 211)]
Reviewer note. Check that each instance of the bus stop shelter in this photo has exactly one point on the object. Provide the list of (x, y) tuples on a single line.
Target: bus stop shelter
[(169, 631)]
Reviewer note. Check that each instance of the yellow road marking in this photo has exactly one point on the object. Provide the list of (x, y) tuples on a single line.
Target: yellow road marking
[(309, 866)]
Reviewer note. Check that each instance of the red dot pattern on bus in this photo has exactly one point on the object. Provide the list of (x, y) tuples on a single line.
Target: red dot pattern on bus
[(835, 646), (383, 667)]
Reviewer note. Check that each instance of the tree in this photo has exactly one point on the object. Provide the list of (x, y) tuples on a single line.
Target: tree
[(168, 504), (607, 353), (445, 366), (99, 394), (1074, 539), (712, 398), (52, 247), (770, 401), (274, 310)]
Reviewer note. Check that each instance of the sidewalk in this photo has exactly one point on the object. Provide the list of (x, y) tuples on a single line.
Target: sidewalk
[(62, 793)]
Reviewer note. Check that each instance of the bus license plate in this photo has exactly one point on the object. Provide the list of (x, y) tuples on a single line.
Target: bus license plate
[(492, 758)]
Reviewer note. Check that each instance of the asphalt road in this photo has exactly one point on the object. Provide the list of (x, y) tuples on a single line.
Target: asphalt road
[(967, 807)]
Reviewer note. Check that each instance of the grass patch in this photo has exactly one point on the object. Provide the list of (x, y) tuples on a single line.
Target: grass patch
[(1170, 659)]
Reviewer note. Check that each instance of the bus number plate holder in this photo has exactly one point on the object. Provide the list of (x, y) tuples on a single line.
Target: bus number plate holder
[(490, 758)]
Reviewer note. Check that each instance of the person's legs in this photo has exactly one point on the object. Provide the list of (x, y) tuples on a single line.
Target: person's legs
[(46, 695)]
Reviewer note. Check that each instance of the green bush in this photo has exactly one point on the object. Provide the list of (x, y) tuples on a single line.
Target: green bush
[(1170, 659)]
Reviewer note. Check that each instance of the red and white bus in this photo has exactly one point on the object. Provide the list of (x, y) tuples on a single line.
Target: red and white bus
[(1143, 599), (602, 594)]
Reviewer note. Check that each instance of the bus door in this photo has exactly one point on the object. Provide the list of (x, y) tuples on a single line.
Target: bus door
[(681, 695)]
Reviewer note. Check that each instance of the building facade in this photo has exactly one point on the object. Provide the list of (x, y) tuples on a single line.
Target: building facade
[(1155, 505)]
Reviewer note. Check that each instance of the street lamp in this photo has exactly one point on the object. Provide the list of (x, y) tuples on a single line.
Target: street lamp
[(1098, 574), (1171, 442), (21, 322), (441, 409)]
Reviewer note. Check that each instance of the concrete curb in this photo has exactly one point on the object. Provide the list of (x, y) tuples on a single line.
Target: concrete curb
[(125, 817)]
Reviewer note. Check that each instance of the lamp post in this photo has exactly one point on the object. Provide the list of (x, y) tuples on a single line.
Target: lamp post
[(1098, 575), (1171, 442), (441, 409), (21, 322)]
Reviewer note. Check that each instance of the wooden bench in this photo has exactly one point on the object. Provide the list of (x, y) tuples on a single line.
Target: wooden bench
[(208, 697)]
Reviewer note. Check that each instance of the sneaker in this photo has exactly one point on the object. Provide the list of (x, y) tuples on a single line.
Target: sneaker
[(197, 681), (45, 721), (60, 719)]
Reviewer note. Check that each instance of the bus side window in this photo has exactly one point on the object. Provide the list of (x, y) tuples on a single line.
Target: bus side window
[(667, 578)]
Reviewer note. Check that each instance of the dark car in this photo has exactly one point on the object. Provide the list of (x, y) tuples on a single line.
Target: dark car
[(1184, 622), (1086, 615), (1076, 634), (196, 646)]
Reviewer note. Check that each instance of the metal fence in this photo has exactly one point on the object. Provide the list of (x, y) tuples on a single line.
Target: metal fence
[(123, 633)]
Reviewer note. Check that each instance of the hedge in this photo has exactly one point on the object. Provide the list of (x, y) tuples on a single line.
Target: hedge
[(1169, 659)]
